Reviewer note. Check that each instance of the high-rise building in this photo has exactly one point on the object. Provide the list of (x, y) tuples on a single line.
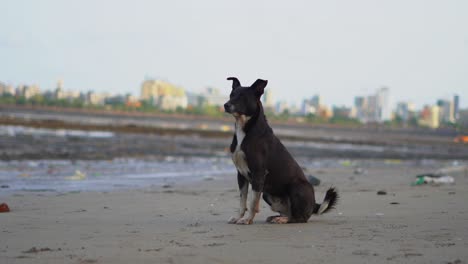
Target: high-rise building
[(268, 100), (463, 118), (307, 107), (446, 113), (384, 112), (360, 104), (316, 101), (405, 110), (372, 112), (456, 107), (375, 107), (429, 116), (164, 94), (312, 105)]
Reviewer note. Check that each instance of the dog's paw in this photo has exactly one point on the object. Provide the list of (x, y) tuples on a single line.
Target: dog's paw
[(279, 220), (233, 220), (244, 221), (270, 218)]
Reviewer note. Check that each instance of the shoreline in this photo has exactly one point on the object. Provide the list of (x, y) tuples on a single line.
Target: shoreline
[(55, 139)]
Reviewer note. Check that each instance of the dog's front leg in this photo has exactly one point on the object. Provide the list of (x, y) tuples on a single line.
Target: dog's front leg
[(258, 180), (243, 191)]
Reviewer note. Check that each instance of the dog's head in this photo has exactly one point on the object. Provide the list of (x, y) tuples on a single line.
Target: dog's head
[(244, 100)]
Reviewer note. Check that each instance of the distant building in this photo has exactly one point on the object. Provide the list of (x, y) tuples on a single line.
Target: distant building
[(115, 99), (312, 106), (316, 101), (375, 107), (27, 91), (60, 93), (429, 116), (268, 100), (463, 118), (384, 112), (456, 107), (446, 111), (164, 94), (307, 108), (170, 102), (360, 104), (281, 107), (6, 89), (372, 109), (344, 112), (325, 112), (95, 98), (212, 96), (405, 111), (194, 99)]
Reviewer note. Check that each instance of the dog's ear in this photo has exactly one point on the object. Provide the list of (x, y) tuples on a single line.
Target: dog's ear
[(259, 85), (235, 82)]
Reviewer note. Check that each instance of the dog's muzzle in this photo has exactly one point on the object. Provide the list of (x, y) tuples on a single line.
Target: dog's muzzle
[(228, 107)]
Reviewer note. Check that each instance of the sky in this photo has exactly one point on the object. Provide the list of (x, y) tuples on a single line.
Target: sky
[(338, 49)]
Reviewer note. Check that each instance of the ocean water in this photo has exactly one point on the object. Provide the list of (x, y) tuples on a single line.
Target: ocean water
[(64, 175), (131, 173), (13, 131)]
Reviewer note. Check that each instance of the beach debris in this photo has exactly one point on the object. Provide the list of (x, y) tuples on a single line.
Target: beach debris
[(313, 180), (379, 214), (167, 185), (150, 250), (214, 244), (433, 178), (394, 203), (346, 163), (78, 176), (4, 208), (359, 171), (208, 178), (4, 186), (381, 192), (37, 250)]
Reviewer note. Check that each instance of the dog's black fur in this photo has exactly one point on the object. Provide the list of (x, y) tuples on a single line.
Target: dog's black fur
[(263, 161)]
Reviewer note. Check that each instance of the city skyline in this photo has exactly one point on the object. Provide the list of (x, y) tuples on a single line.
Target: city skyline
[(273, 96), (315, 99), (337, 49), (162, 95)]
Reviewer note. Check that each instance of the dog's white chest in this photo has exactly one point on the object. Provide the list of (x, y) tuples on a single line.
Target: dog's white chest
[(238, 156)]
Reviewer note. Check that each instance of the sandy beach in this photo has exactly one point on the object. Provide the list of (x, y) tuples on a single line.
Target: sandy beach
[(187, 223)]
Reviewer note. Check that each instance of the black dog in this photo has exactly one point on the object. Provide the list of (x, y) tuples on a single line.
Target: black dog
[(264, 162)]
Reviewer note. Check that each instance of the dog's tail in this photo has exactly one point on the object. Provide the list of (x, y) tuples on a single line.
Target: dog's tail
[(331, 198)]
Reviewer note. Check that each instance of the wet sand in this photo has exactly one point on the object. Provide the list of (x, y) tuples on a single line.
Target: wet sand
[(26, 143), (187, 223), (29, 134)]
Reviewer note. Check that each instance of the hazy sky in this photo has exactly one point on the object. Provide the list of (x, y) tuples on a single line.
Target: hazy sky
[(338, 49)]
